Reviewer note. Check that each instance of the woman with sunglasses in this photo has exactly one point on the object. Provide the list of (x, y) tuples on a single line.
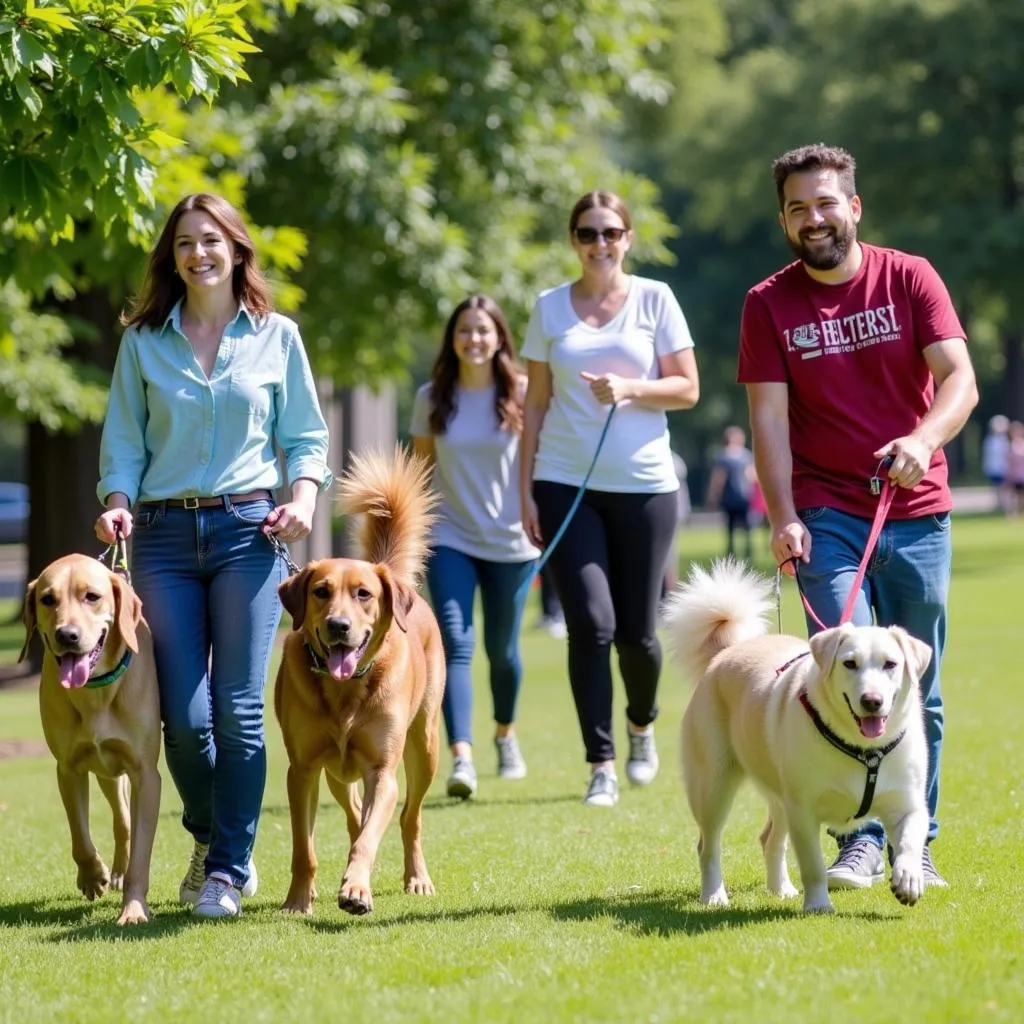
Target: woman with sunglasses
[(607, 338)]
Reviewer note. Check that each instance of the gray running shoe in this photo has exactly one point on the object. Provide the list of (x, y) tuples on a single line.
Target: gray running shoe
[(462, 781), (858, 866), (603, 789), (510, 758)]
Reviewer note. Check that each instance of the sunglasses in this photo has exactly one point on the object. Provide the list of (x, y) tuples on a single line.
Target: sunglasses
[(588, 236)]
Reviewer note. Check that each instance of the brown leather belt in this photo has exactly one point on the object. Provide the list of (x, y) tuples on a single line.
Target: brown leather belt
[(235, 499)]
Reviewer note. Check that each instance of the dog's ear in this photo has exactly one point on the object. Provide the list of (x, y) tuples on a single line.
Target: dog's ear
[(127, 611), (824, 646), (917, 653), (293, 594), (398, 597), (28, 617)]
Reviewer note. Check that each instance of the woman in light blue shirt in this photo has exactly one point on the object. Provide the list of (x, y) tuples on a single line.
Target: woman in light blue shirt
[(207, 379)]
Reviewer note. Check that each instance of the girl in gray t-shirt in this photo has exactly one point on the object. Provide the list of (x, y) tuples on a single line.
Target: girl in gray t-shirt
[(467, 421)]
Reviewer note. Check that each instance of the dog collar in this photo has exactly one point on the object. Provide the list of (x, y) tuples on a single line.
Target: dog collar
[(113, 675), (870, 757), (320, 667)]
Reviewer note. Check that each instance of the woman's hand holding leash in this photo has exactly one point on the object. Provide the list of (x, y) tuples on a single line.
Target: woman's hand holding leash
[(111, 521), (290, 522), (609, 388)]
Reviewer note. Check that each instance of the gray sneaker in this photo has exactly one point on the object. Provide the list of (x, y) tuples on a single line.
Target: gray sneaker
[(931, 876), (603, 789), (642, 765), (858, 866), (510, 758), (195, 877), (462, 781)]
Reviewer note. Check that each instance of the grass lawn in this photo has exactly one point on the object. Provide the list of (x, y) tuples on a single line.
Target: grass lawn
[(547, 910)]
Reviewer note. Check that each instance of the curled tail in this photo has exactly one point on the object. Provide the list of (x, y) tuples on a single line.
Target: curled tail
[(392, 495), (714, 610)]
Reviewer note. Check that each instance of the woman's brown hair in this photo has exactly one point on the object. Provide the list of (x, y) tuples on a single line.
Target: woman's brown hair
[(606, 200), (162, 287), (444, 377)]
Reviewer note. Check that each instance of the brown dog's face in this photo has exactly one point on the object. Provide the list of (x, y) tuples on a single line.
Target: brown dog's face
[(345, 608), (76, 603)]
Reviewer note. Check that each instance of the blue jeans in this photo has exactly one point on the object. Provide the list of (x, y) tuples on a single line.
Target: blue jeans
[(208, 581), (906, 584), (452, 579)]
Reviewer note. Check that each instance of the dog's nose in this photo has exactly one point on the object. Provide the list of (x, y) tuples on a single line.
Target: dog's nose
[(338, 625), (67, 636), (871, 703)]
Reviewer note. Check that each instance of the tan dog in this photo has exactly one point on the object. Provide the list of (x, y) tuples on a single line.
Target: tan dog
[(753, 715), (361, 680), (100, 717)]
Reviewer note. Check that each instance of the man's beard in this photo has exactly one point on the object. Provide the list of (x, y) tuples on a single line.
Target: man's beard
[(825, 254)]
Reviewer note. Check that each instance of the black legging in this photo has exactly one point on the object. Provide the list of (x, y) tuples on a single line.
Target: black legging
[(609, 567)]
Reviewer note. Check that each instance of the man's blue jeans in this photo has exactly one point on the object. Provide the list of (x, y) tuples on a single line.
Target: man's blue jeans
[(906, 584), (208, 581), (452, 579)]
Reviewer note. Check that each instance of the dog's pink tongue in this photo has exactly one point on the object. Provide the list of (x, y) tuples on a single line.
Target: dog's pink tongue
[(74, 671), (872, 726), (342, 664)]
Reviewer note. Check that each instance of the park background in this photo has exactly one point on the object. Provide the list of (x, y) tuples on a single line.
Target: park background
[(392, 157)]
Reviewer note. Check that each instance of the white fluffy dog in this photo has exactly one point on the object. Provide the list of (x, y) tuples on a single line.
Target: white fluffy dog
[(821, 728)]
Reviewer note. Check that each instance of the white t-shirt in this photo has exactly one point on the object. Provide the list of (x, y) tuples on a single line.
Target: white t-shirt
[(636, 456), (476, 474)]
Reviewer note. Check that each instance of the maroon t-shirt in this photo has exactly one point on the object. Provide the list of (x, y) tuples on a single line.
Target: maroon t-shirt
[(852, 357)]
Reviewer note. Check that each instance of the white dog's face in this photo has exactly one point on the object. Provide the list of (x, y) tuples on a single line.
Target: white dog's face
[(865, 671)]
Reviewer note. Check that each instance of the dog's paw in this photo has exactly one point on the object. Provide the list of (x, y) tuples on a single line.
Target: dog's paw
[(716, 898), (116, 881), (420, 885), (300, 906), (93, 879), (819, 908), (355, 899), (134, 912), (907, 882), (786, 891)]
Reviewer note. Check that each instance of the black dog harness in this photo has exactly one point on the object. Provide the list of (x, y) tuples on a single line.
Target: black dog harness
[(870, 758)]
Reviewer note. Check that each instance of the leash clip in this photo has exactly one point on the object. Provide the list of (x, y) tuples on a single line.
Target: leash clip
[(877, 479)]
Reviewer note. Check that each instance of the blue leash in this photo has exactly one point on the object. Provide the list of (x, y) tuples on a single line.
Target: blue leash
[(542, 561)]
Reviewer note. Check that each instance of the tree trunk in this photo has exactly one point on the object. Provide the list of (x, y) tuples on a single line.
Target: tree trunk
[(63, 467)]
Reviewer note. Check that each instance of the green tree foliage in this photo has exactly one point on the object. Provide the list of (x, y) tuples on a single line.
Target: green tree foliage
[(427, 150), (86, 92), (925, 93)]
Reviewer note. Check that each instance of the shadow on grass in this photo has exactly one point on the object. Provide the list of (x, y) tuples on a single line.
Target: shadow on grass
[(668, 914), (82, 921)]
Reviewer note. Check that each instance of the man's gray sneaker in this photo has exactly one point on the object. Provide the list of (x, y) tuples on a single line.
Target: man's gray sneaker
[(510, 758), (462, 781), (859, 865), (603, 789), (642, 765)]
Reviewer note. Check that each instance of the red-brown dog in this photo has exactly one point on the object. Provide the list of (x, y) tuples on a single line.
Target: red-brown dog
[(360, 683)]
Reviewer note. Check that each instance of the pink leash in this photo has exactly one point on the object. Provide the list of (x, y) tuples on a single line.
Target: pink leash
[(886, 491)]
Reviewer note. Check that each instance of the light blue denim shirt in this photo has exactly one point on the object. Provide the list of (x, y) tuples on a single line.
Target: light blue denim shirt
[(171, 432)]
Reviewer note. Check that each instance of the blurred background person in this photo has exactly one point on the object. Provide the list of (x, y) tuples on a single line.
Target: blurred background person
[(731, 487)]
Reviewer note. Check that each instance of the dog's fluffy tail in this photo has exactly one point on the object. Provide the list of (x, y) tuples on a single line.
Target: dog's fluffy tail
[(714, 610), (392, 496)]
